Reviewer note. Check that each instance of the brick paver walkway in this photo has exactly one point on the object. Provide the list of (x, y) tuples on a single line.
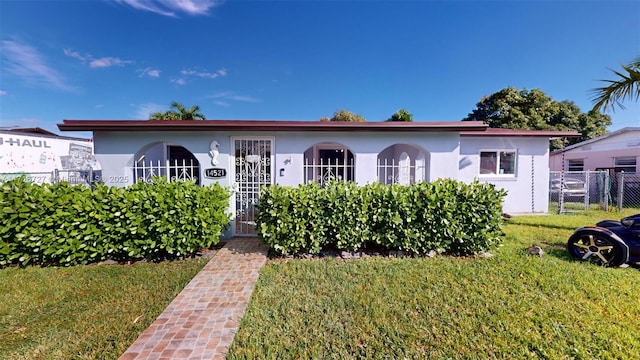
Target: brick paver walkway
[(201, 321)]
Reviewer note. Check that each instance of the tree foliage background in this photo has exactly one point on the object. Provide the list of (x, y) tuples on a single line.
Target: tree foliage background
[(344, 115), (512, 108), (178, 112), (401, 115)]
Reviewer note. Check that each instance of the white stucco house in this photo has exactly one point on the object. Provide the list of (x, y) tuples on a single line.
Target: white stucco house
[(245, 155)]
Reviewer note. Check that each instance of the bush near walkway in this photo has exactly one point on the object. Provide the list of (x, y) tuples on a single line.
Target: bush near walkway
[(63, 224), (445, 216)]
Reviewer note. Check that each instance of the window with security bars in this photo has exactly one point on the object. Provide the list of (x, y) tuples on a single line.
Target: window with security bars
[(329, 164)]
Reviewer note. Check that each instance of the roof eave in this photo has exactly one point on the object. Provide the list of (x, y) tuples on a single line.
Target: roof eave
[(258, 125)]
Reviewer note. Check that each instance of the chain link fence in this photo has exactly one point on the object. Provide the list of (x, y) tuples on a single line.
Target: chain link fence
[(583, 190)]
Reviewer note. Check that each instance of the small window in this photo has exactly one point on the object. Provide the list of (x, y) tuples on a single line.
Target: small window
[(575, 165), (498, 162), (626, 164)]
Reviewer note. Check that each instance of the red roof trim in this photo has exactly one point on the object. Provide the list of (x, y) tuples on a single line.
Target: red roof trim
[(519, 132), (265, 125)]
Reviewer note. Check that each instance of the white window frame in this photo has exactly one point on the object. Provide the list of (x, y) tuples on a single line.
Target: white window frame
[(632, 168), (497, 168)]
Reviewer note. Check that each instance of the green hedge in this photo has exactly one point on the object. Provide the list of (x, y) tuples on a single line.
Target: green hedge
[(66, 224), (445, 216)]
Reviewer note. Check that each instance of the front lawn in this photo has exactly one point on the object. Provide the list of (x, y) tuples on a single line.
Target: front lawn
[(512, 305), (84, 312)]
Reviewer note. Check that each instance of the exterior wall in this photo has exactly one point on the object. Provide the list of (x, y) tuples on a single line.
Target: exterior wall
[(116, 150), (447, 156), (601, 154), (528, 190)]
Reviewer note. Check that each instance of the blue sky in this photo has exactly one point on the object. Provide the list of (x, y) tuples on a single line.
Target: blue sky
[(301, 60)]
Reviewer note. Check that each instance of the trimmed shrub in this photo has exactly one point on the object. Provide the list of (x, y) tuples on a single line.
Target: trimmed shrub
[(64, 224), (445, 216)]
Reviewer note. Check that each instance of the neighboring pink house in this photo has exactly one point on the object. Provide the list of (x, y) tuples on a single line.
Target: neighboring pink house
[(616, 151)]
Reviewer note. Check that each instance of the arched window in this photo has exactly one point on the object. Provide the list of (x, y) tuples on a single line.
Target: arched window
[(167, 160), (402, 164), (328, 161)]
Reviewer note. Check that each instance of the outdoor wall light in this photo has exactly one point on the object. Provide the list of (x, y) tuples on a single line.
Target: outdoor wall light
[(282, 172)]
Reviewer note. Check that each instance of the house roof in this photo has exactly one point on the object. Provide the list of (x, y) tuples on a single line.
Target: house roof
[(466, 128), (520, 132), (29, 130), (266, 125), (599, 138), (39, 132)]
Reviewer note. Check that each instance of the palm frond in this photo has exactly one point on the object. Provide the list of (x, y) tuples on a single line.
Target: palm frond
[(627, 86)]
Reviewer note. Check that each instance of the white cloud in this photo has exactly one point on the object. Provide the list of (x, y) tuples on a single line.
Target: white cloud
[(149, 72), (143, 110), (27, 63), (222, 103), (204, 74), (179, 81), (230, 95), (76, 55), (102, 62), (108, 62), (172, 7), (3, 93)]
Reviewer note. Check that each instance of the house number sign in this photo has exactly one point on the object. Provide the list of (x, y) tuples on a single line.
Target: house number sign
[(215, 173)]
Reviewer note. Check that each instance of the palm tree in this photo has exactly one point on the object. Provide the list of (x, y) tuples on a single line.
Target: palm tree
[(157, 116), (192, 113), (178, 112), (626, 86)]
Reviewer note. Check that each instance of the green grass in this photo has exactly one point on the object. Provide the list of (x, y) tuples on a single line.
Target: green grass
[(512, 305), (84, 312)]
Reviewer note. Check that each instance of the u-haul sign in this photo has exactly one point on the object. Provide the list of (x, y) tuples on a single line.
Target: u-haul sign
[(37, 153)]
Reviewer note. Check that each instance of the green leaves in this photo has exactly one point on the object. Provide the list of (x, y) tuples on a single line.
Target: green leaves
[(68, 225), (512, 108), (401, 115), (179, 112), (443, 216), (625, 87)]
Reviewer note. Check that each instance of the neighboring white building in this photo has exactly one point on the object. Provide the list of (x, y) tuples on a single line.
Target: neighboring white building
[(615, 151), (38, 153), (245, 155)]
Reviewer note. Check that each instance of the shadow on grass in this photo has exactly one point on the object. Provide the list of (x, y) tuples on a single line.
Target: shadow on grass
[(543, 225)]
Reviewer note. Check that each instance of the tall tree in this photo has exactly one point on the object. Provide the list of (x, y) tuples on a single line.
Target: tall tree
[(523, 109), (626, 86), (401, 115), (344, 115), (178, 112)]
